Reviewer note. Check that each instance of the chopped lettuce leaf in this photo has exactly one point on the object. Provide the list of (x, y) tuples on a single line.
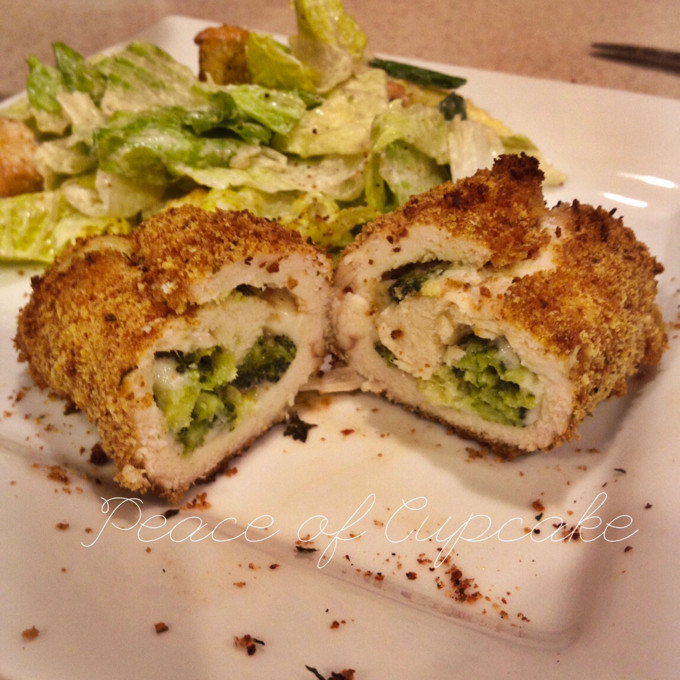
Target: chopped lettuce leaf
[(36, 227), (27, 226), (103, 194), (43, 86), (339, 177), (314, 215), (143, 76), (342, 123), (408, 171), (18, 108), (277, 110), (64, 156), (77, 73), (273, 65), (154, 146), (267, 205), (81, 111), (409, 154), (472, 145), (422, 127), (324, 221), (72, 225), (328, 40)]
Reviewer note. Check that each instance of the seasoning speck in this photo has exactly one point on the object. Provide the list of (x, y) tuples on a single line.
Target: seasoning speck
[(248, 642), (30, 633)]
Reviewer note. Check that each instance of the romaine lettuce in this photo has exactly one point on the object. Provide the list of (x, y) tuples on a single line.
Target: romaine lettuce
[(316, 216), (342, 123), (312, 140), (36, 227), (142, 77), (328, 40), (273, 65), (409, 154), (153, 145), (408, 171), (338, 177)]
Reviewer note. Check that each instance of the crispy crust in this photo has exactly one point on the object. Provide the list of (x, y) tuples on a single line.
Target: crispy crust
[(81, 332), (181, 246), (598, 303), (82, 327), (104, 303), (497, 209)]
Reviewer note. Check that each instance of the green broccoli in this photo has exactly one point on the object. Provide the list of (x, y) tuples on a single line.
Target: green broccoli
[(411, 278), (267, 360), (480, 381), (202, 389), (386, 353)]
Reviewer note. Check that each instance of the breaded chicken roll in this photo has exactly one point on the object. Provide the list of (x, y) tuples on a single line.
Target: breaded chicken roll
[(182, 341), (477, 306)]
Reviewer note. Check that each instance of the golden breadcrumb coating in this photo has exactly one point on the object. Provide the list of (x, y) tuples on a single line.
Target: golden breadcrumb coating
[(598, 302), (18, 171), (485, 209), (181, 246), (82, 330)]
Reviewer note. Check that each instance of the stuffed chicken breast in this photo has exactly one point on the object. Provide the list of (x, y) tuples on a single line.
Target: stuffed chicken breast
[(476, 305), (183, 341)]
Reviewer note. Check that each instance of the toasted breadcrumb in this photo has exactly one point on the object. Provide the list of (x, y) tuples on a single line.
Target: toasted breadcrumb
[(486, 209)]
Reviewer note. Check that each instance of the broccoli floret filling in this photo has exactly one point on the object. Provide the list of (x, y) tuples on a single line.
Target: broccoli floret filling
[(266, 361), (481, 381), (198, 391), (411, 278)]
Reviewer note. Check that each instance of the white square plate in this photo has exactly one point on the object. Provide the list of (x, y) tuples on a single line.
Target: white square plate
[(404, 522)]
